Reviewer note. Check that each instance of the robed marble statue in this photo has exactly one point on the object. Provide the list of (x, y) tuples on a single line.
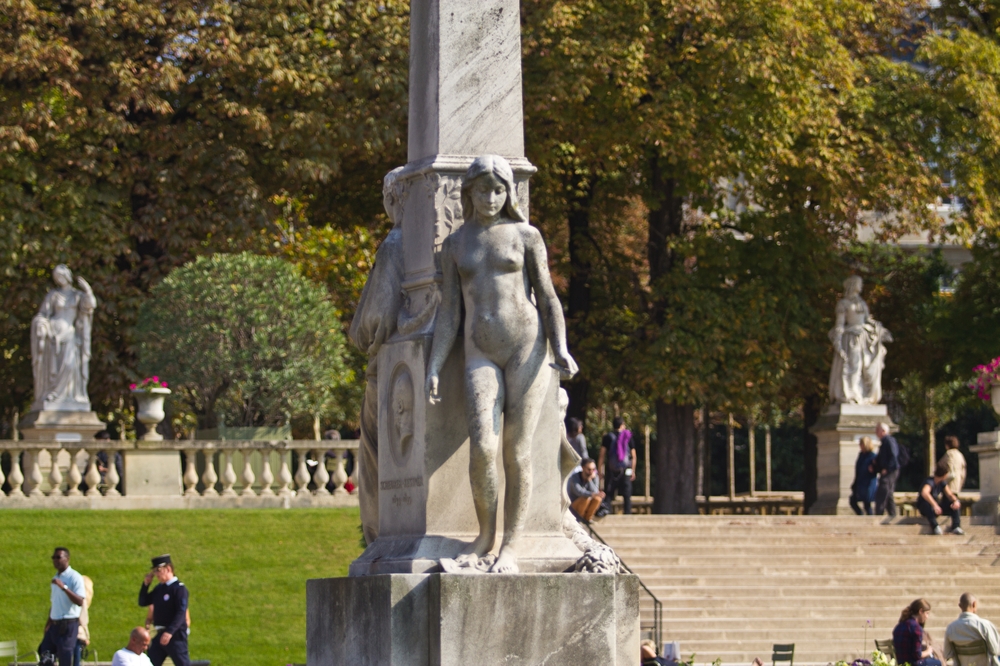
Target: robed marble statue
[(859, 350), (60, 344)]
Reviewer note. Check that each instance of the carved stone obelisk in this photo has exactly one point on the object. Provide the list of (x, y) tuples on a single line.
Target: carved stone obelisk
[(417, 595), (465, 101)]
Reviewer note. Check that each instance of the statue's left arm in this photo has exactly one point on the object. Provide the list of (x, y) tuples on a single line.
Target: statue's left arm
[(537, 264)]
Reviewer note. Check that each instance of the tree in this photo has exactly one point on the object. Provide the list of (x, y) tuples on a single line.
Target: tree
[(136, 136), (735, 124), (246, 336)]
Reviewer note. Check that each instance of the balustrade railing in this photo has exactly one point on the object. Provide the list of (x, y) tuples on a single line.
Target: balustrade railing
[(36, 472)]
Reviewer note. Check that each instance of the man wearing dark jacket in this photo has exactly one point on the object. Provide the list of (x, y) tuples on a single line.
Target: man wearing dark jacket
[(170, 603), (886, 465)]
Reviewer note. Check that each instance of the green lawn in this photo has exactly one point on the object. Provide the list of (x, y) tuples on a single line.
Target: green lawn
[(246, 571)]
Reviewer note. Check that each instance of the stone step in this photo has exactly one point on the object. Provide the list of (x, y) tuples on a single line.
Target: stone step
[(806, 570), (640, 557), (882, 623)]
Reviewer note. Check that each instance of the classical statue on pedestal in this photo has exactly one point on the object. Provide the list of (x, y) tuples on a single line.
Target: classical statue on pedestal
[(495, 264), (60, 344), (859, 350)]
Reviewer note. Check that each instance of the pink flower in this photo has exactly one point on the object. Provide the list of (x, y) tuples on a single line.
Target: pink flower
[(132, 386), (164, 384)]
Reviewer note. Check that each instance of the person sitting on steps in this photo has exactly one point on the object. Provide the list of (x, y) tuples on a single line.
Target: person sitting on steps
[(584, 493), (930, 504)]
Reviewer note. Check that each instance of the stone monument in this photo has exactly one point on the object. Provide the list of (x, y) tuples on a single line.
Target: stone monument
[(855, 391), (60, 363), (461, 427)]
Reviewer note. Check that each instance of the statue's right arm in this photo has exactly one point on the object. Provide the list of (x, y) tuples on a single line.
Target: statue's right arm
[(448, 316)]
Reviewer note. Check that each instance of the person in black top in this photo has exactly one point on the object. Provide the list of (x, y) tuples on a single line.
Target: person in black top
[(170, 602), (931, 504), (618, 451), (886, 465)]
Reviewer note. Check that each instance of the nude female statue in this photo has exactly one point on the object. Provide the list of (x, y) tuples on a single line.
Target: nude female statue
[(858, 342), (496, 263), (60, 343)]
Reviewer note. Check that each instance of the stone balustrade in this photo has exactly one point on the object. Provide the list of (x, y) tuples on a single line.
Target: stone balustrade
[(174, 474)]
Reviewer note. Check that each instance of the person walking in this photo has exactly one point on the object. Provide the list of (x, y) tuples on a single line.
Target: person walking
[(908, 636), (618, 451), (66, 602), (865, 481), (83, 634), (886, 466), (134, 654), (170, 603), (970, 628), (955, 462), (574, 432)]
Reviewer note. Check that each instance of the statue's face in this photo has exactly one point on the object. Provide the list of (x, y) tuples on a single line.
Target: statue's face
[(61, 276), (489, 195)]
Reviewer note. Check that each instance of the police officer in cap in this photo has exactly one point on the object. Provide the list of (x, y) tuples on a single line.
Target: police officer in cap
[(170, 602)]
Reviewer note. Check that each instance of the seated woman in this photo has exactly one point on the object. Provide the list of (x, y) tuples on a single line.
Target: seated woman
[(908, 636)]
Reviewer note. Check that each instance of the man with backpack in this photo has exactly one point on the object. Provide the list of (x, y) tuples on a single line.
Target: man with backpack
[(618, 451), (887, 466)]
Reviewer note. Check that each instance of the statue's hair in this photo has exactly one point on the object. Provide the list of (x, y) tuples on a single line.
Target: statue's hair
[(500, 168), (853, 280), (390, 184)]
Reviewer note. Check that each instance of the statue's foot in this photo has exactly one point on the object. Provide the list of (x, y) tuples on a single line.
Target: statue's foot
[(506, 562), (475, 550)]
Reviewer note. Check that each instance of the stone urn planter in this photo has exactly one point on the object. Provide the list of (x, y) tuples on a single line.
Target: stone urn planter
[(151, 410), (995, 397)]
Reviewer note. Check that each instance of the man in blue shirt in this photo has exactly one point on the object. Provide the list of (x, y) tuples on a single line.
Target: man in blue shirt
[(63, 625), (170, 603)]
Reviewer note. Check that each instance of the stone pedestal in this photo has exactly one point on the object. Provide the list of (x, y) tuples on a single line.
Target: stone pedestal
[(457, 620), (988, 449), (837, 432), (151, 473), (60, 425)]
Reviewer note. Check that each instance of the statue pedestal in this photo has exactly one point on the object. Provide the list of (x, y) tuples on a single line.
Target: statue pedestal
[(988, 449), (456, 620), (60, 425), (838, 431)]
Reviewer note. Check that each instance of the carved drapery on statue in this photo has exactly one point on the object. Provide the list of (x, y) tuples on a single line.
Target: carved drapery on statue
[(859, 350), (60, 345)]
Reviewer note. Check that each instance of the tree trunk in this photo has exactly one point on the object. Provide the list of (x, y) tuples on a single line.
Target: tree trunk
[(578, 299), (676, 459), (810, 412)]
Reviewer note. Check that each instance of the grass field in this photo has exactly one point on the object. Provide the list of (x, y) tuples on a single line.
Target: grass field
[(246, 571)]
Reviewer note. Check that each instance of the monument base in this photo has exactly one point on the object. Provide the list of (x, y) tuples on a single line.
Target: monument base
[(60, 425), (988, 449), (456, 620), (838, 431)]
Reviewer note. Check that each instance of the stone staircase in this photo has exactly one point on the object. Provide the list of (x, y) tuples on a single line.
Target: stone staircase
[(731, 586)]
